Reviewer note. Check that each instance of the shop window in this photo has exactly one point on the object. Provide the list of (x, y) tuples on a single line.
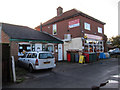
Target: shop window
[(86, 26), (23, 48), (28, 48), (93, 46), (50, 48)]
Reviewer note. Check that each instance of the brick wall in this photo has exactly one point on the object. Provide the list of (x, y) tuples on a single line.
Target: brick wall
[(13, 45), (4, 37), (14, 49), (62, 28)]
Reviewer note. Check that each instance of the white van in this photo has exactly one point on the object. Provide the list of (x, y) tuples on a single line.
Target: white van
[(37, 60)]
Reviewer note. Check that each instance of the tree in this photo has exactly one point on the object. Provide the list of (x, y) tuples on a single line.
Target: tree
[(115, 41)]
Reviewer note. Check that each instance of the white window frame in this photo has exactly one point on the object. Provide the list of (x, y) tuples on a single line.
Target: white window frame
[(86, 26), (100, 30), (54, 29)]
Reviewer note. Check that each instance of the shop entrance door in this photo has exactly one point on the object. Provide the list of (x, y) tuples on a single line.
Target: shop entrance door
[(60, 58)]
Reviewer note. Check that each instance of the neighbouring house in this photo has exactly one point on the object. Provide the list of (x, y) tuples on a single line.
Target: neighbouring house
[(22, 38), (78, 30)]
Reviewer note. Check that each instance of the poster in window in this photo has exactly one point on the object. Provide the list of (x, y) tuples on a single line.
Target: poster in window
[(54, 29)]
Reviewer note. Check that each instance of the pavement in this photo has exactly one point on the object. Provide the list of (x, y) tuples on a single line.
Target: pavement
[(101, 74)]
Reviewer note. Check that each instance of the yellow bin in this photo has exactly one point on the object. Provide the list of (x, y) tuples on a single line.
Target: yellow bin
[(81, 59)]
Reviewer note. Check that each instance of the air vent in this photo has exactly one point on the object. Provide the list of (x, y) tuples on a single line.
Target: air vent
[(67, 37)]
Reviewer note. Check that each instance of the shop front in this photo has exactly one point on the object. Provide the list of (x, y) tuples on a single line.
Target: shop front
[(93, 43), (54, 48)]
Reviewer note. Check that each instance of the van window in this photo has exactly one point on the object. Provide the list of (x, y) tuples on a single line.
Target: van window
[(29, 55), (45, 55), (34, 55), (24, 55)]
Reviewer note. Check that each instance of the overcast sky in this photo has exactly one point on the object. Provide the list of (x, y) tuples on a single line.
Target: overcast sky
[(32, 12)]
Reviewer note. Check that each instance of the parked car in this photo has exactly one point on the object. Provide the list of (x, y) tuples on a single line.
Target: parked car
[(37, 60), (114, 51)]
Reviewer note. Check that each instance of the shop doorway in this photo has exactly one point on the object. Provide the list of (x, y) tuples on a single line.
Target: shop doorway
[(60, 57)]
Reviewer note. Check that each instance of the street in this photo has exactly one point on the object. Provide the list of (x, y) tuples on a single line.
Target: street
[(75, 75)]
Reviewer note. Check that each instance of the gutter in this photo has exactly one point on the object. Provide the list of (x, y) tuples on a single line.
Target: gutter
[(27, 40)]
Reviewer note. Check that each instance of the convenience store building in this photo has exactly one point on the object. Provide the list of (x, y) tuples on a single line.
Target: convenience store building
[(78, 31)]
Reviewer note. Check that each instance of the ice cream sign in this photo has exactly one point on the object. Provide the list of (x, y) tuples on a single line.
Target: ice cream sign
[(74, 23)]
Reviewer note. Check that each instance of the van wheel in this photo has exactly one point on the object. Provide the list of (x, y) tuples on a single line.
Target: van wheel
[(30, 69)]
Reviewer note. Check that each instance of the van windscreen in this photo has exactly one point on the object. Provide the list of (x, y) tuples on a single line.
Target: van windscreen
[(45, 55)]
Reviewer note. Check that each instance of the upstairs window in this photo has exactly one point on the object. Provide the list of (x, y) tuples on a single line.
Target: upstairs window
[(99, 30), (86, 26), (54, 29)]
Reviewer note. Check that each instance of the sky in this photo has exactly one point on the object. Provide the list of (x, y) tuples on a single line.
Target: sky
[(32, 12)]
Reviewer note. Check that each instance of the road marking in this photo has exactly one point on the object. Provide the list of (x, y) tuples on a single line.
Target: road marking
[(113, 81), (116, 76)]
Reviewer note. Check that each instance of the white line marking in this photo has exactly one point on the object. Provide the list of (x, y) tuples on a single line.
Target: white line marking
[(112, 81)]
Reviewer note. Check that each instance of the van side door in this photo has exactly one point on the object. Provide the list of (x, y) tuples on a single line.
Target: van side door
[(27, 60), (33, 59)]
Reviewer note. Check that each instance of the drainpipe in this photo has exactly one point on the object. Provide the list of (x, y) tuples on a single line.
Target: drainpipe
[(41, 27), (82, 33)]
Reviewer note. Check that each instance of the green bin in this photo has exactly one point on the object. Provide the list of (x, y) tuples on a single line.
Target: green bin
[(72, 57), (92, 57)]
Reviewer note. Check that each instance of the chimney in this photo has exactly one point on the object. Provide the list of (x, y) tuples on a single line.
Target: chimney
[(59, 11), (41, 27)]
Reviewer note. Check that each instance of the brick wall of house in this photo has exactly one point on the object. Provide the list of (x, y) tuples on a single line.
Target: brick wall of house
[(14, 49), (94, 26), (13, 45), (4, 37), (62, 28)]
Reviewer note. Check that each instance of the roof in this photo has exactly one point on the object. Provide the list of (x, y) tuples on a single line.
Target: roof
[(70, 14), (16, 32)]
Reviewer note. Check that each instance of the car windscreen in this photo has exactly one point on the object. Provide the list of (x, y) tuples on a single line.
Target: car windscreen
[(45, 55)]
